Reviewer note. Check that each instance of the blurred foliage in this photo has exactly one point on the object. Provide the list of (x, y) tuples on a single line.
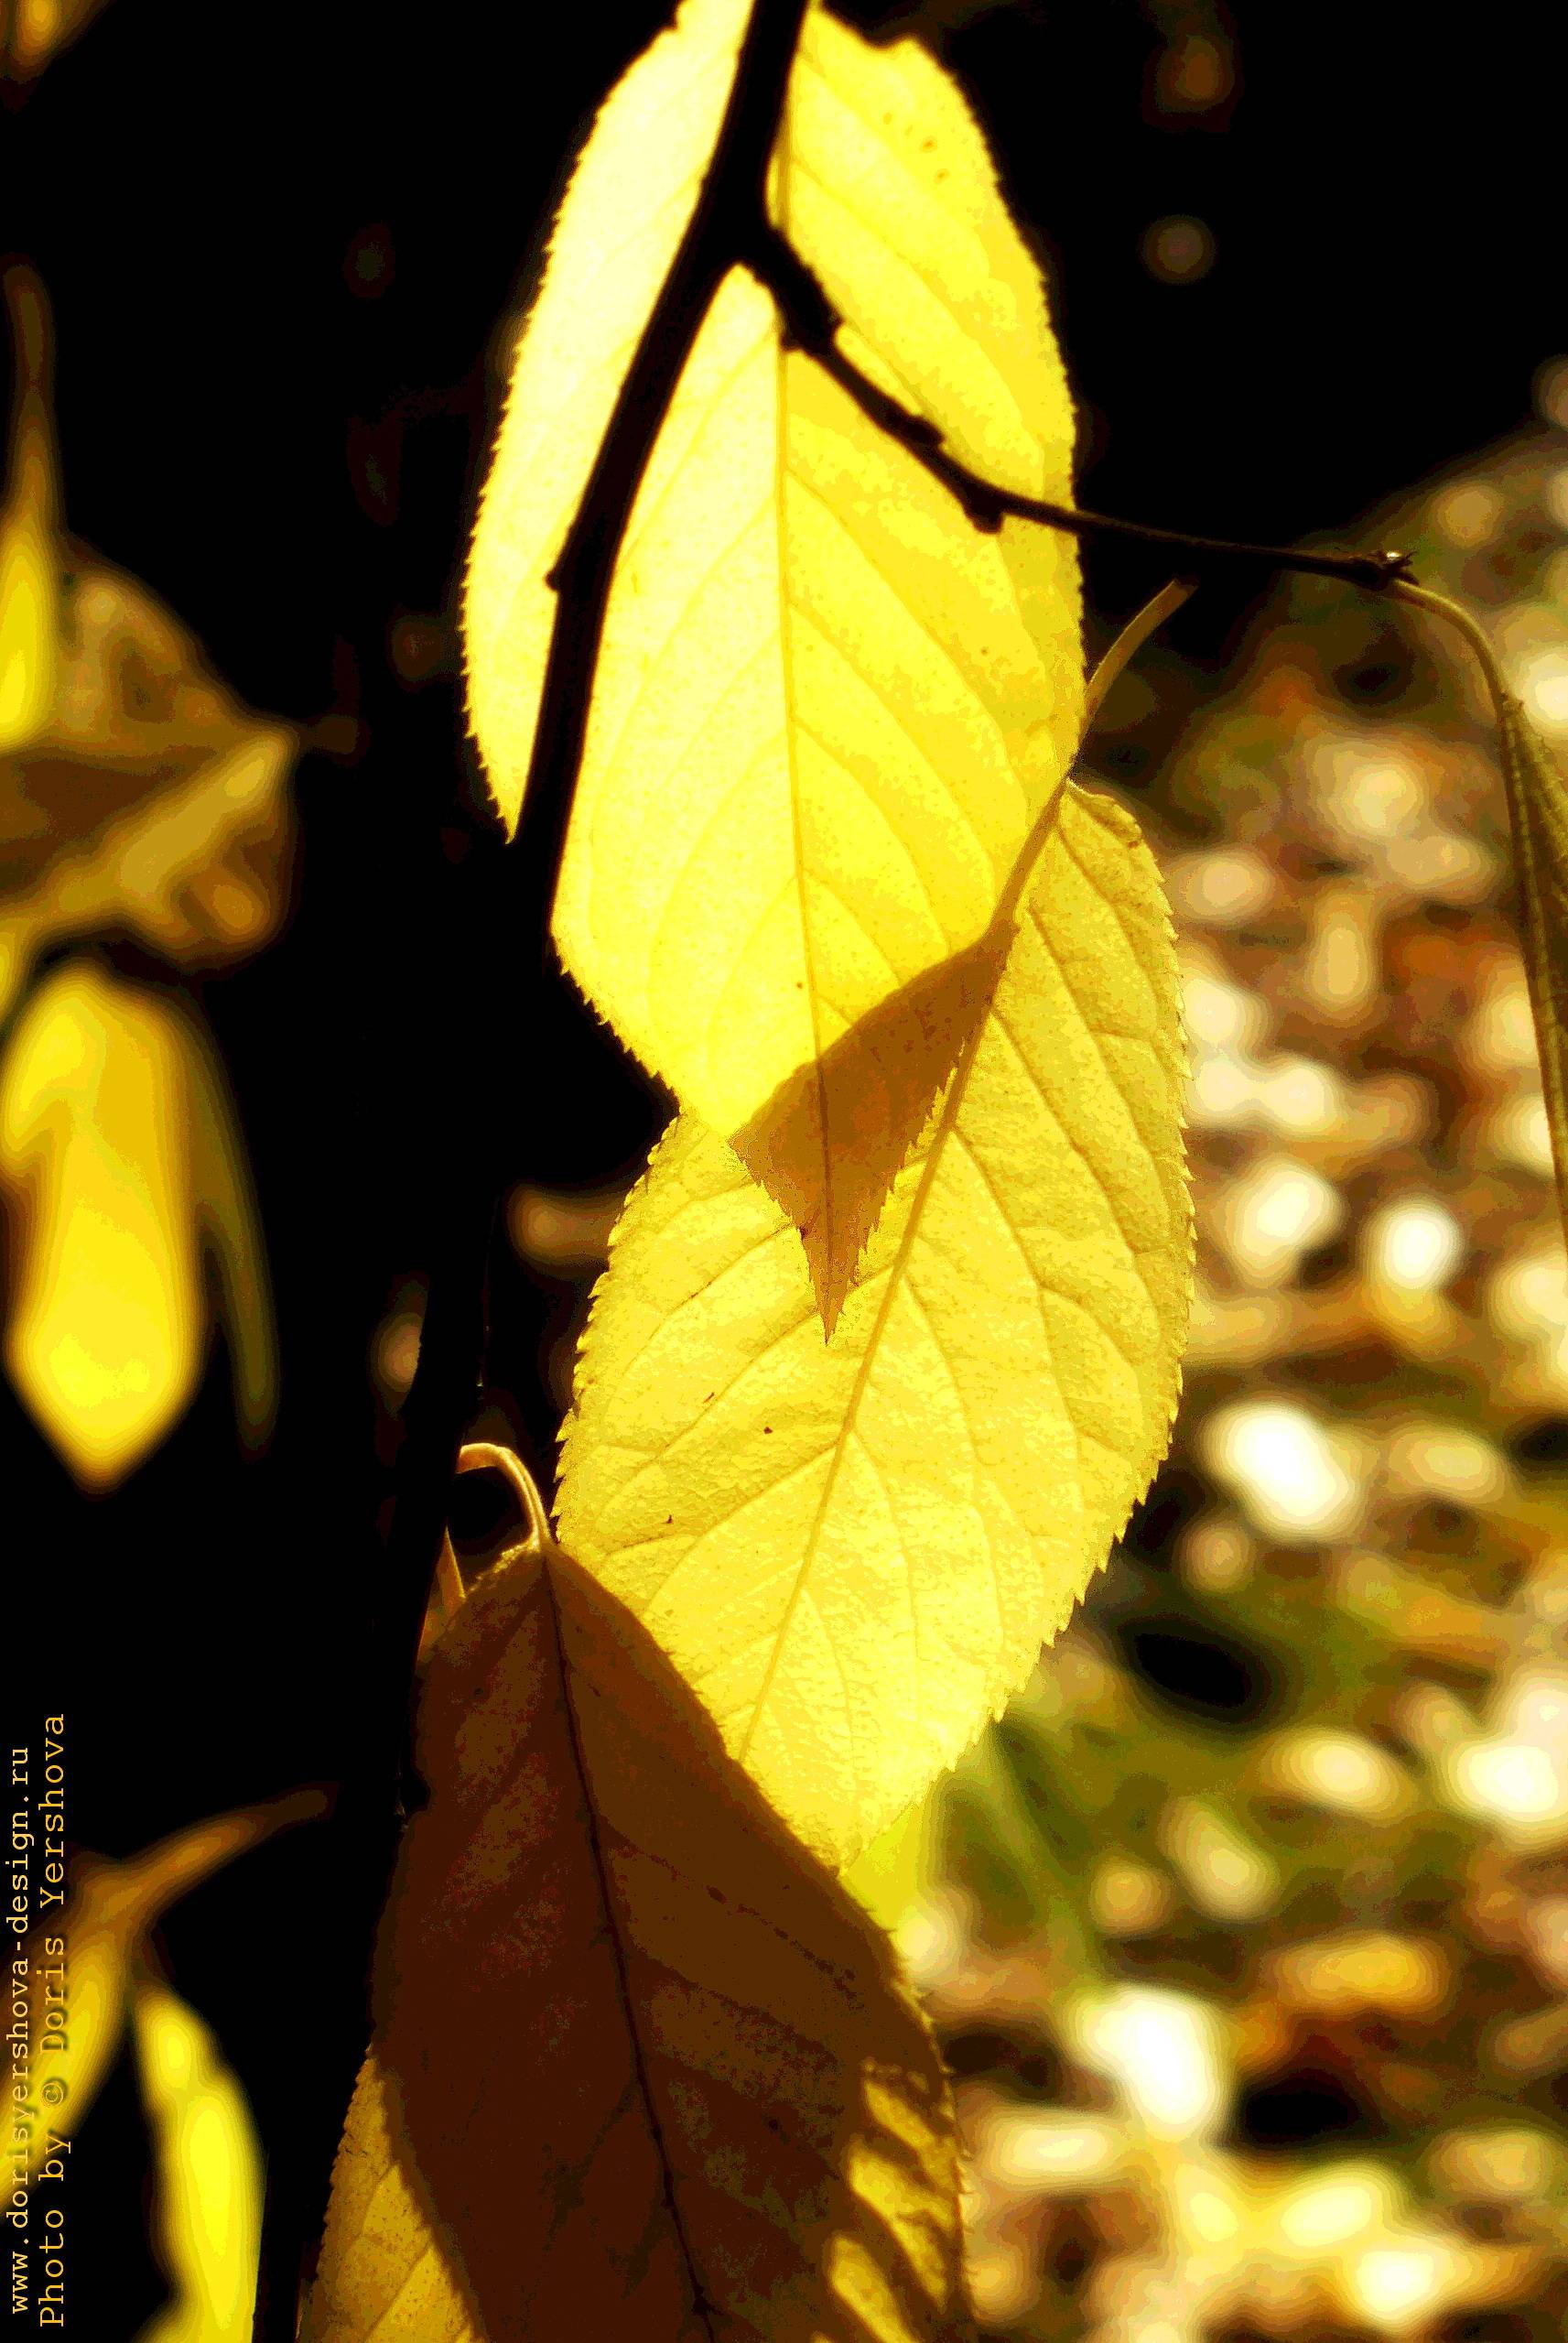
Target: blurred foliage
[(120, 1153), (32, 31), (93, 1957), (144, 811), (1246, 1928), (208, 2168)]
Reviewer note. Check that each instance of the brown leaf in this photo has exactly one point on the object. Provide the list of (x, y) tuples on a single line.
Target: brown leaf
[(642, 2068)]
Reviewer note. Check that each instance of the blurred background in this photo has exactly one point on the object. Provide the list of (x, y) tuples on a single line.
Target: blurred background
[(1247, 1930)]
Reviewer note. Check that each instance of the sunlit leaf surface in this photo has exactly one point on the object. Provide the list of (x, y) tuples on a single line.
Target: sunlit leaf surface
[(853, 1550), (630, 195), (828, 709)]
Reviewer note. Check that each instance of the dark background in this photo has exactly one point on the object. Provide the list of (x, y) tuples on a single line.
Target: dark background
[(279, 246)]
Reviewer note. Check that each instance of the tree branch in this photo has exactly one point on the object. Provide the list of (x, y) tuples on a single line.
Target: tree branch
[(507, 898), (446, 1380), (447, 1377), (732, 193), (811, 323)]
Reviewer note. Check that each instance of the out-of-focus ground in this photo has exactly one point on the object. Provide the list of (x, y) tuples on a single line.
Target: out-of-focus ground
[(1248, 1937)]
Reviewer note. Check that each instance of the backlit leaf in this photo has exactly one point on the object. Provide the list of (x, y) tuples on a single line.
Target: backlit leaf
[(642, 2069), (896, 1871), (632, 194), (209, 2175), (827, 711), (853, 1550), (118, 1149)]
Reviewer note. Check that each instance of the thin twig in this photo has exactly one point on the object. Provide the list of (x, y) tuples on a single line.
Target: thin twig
[(811, 323)]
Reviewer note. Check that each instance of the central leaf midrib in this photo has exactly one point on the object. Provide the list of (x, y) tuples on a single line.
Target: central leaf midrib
[(701, 2306), (786, 688)]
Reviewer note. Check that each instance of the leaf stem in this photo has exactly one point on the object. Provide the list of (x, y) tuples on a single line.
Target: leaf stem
[(812, 324), (1120, 654), (1475, 634), (1537, 819)]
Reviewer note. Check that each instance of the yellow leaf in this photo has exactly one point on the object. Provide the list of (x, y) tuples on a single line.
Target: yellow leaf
[(852, 1551), (826, 710), (78, 1964), (631, 196), (641, 2068), (118, 1144), (209, 2175), (891, 1875)]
